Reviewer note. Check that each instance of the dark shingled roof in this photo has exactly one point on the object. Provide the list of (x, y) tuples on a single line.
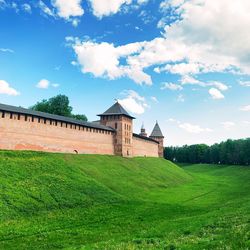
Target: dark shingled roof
[(116, 109), (18, 110), (145, 138), (156, 131)]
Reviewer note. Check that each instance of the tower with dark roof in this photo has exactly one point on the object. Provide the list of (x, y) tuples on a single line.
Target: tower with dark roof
[(118, 118), (158, 136)]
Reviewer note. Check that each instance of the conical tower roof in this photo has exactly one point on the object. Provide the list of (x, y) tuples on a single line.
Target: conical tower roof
[(116, 109), (156, 131)]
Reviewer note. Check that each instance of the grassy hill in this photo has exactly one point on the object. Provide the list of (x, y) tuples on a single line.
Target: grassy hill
[(50, 201)]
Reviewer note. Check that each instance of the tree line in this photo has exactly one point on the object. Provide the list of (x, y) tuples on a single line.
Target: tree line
[(230, 152)]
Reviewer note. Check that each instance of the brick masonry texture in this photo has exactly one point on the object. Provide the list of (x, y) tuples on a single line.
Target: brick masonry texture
[(20, 132)]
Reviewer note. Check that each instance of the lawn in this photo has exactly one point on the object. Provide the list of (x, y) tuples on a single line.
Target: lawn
[(50, 201)]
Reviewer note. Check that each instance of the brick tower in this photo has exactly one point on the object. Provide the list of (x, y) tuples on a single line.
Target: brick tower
[(158, 136), (119, 119), (143, 131)]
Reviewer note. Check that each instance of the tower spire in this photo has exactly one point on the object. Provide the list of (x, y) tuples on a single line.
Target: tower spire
[(158, 136), (143, 131)]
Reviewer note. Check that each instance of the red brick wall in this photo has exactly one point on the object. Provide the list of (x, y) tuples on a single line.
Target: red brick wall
[(143, 147), (27, 135), (123, 125)]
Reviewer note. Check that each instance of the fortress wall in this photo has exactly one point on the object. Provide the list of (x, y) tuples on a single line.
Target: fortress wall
[(20, 132), (143, 147)]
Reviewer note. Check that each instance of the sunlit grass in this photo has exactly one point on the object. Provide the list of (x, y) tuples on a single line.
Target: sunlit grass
[(50, 201)]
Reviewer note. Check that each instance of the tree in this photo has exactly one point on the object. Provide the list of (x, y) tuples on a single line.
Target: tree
[(233, 152), (80, 117), (58, 105)]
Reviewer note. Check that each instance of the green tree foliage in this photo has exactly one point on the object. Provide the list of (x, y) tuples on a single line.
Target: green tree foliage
[(80, 117), (58, 105), (233, 152)]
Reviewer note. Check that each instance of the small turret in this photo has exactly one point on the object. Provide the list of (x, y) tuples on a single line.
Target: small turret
[(143, 131), (158, 136)]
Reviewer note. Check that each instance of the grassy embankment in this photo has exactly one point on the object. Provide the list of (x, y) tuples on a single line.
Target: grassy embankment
[(50, 201)]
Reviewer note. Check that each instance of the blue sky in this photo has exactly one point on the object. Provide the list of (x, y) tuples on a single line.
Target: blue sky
[(183, 63)]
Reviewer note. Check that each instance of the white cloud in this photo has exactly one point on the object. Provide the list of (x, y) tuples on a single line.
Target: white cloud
[(67, 9), (187, 79), (181, 68), (245, 108), (75, 22), (6, 50), (244, 83), (172, 120), (133, 102), (26, 7), (153, 98), (228, 125), (103, 60), (43, 84), (171, 86), (201, 40), (194, 129), (221, 86), (215, 37), (216, 94), (45, 9), (107, 7), (142, 1), (6, 89), (74, 63), (70, 11)]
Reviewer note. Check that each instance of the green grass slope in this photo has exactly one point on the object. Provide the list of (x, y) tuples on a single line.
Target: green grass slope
[(50, 201)]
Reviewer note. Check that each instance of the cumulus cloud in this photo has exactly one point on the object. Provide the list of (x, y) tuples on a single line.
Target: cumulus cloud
[(213, 35), (103, 8), (171, 86), (245, 108), (103, 60), (194, 129), (133, 102), (67, 9), (107, 7), (43, 84), (6, 89), (70, 11), (200, 40), (216, 94)]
